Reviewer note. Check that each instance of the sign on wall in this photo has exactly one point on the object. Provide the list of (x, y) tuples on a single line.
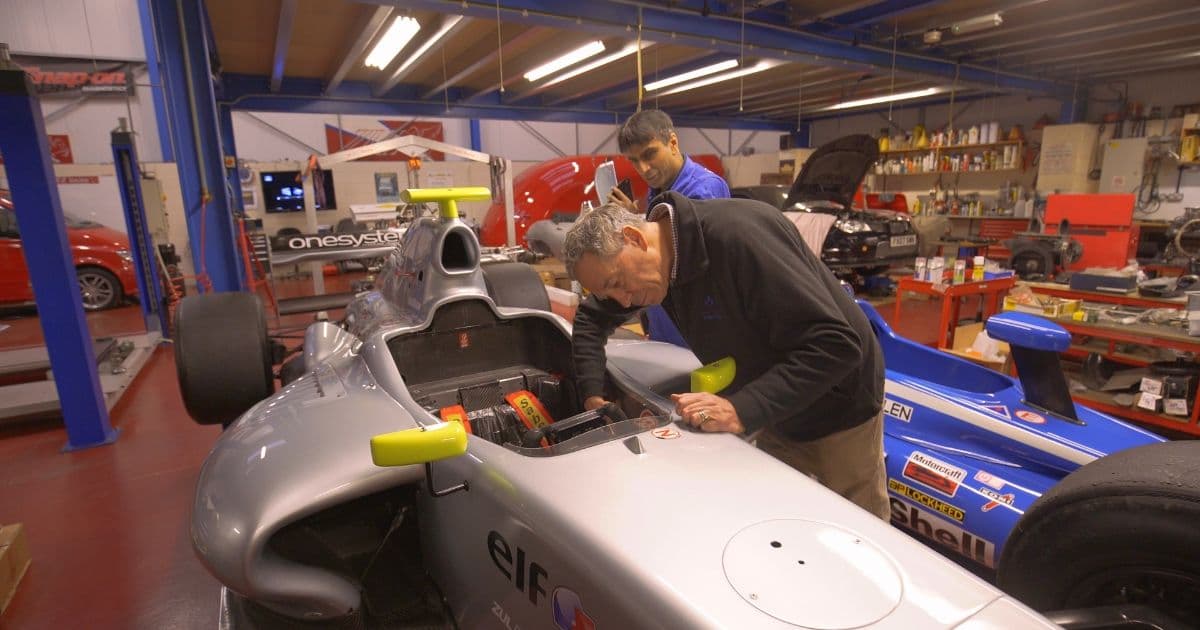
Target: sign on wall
[(338, 139), (60, 76), (60, 149)]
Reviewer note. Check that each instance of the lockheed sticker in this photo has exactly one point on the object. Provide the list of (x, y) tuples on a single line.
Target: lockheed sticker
[(918, 497)]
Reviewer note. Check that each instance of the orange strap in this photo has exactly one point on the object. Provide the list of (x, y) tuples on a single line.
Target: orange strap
[(456, 413), (530, 410)]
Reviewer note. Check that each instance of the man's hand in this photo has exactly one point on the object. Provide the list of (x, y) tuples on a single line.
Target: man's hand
[(618, 197), (594, 402), (708, 412)]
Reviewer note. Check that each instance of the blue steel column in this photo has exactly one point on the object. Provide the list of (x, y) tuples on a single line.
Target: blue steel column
[(145, 262), (232, 179), (179, 33), (161, 117), (51, 269), (476, 136)]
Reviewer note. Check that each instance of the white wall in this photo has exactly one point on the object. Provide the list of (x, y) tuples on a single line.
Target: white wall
[(101, 29)]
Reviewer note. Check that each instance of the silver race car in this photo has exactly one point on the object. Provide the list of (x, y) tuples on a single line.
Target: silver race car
[(432, 467)]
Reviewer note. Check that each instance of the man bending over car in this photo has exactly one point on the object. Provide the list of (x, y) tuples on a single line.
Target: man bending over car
[(736, 278)]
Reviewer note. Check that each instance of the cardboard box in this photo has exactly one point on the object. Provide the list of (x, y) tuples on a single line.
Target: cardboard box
[(1045, 306), (964, 339), (1175, 406), (14, 561), (1152, 385), (1150, 402)]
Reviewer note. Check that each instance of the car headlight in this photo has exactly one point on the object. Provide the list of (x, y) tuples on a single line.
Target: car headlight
[(125, 255), (852, 225)]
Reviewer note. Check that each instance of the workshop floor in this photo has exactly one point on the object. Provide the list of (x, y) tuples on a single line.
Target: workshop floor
[(107, 527)]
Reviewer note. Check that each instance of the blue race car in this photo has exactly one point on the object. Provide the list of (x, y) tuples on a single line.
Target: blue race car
[(1067, 508)]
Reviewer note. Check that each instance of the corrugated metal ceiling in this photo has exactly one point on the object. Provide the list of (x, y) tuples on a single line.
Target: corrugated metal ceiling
[(843, 49)]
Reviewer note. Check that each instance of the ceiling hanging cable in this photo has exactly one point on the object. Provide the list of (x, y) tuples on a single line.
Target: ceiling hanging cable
[(892, 89), (639, 61), (499, 46), (800, 100), (446, 89), (742, 57), (953, 91)]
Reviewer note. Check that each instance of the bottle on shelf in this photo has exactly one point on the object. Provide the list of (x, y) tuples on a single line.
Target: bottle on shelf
[(973, 135)]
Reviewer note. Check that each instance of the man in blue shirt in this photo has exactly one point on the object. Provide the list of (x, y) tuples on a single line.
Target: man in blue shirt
[(648, 140)]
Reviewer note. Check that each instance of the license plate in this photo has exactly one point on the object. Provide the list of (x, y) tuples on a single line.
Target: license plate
[(902, 241)]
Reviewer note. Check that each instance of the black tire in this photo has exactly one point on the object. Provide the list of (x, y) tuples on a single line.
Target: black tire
[(222, 355), (1121, 530), (98, 288), (515, 284)]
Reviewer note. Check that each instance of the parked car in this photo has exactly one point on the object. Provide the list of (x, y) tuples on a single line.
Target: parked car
[(858, 239), (414, 473), (102, 258), (556, 189)]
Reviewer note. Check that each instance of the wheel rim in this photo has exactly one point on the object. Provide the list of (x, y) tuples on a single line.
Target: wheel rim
[(1175, 593), (97, 291)]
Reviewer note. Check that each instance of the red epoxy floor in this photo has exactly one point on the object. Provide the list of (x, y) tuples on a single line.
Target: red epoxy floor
[(107, 527)]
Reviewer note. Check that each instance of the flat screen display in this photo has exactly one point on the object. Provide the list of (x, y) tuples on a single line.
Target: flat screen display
[(283, 193)]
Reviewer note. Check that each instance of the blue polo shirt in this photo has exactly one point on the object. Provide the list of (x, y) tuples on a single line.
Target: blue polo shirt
[(696, 182)]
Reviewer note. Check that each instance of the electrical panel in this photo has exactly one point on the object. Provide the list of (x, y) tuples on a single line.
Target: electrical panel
[(1124, 160)]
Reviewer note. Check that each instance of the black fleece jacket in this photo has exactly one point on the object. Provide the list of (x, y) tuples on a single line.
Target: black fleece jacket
[(748, 287)]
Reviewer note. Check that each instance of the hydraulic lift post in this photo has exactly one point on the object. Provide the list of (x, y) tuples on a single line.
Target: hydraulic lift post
[(145, 262)]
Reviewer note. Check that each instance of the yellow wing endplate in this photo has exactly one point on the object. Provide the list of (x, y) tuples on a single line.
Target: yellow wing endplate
[(715, 376), (446, 198), (419, 446)]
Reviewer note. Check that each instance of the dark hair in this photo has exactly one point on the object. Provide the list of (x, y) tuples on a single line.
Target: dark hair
[(645, 126)]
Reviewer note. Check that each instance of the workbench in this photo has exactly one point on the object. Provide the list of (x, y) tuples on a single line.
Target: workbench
[(1125, 299), (990, 293)]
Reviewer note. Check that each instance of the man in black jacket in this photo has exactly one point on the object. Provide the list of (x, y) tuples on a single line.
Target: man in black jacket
[(738, 281)]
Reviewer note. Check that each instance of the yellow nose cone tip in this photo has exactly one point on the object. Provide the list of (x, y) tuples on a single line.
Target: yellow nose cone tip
[(446, 198)]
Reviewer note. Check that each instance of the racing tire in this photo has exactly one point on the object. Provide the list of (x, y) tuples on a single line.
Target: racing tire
[(516, 285), (98, 288), (222, 355), (1121, 530)]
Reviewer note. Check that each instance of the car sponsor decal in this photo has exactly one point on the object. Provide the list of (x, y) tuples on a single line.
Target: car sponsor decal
[(354, 240), (666, 433), (456, 413), (920, 498), (988, 478), (999, 410), (943, 532), (567, 610), (934, 473), (1030, 417), (521, 570), (897, 410), (1007, 498)]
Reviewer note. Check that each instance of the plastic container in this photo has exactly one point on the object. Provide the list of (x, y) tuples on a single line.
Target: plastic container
[(977, 269), (960, 271)]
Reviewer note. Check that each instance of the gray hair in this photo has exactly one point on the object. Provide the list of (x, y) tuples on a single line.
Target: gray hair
[(644, 126), (599, 232)]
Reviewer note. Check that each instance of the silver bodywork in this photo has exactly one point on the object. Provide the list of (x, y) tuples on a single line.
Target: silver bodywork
[(645, 525)]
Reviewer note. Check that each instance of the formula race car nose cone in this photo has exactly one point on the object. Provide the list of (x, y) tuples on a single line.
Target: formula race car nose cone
[(812, 574)]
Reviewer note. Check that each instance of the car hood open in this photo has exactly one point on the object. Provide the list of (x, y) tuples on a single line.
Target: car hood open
[(834, 171)]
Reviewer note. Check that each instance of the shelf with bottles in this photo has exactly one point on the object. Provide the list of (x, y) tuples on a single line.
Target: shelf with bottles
[(953, 147), (993, 157)]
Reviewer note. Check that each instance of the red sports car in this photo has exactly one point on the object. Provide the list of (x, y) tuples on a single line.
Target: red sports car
[(102, 258)]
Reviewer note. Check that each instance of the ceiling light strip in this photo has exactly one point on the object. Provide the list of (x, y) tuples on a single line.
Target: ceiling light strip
[(394, 39), (694, 74), (606, 59), (586, 51), (902, 96), (756, 68)]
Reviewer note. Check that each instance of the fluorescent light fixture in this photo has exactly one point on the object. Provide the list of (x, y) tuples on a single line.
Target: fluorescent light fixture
[(981, 23), (590, 49), (694, 74), (450, 22), (629, 49), (402, 30), (902, 96), (758, 67)]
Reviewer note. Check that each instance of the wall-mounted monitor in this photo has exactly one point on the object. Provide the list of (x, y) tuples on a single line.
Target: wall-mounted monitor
[(283, 193)]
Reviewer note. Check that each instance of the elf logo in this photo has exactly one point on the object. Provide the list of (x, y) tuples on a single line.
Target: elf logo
[(528, 577), (942, 532)]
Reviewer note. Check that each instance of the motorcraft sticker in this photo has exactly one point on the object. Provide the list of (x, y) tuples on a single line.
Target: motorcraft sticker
[(989, 479), (916, 496), (934, 473), (1030, 417), (943, 532), (666, 433), (1007, 498), (897, 410)]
